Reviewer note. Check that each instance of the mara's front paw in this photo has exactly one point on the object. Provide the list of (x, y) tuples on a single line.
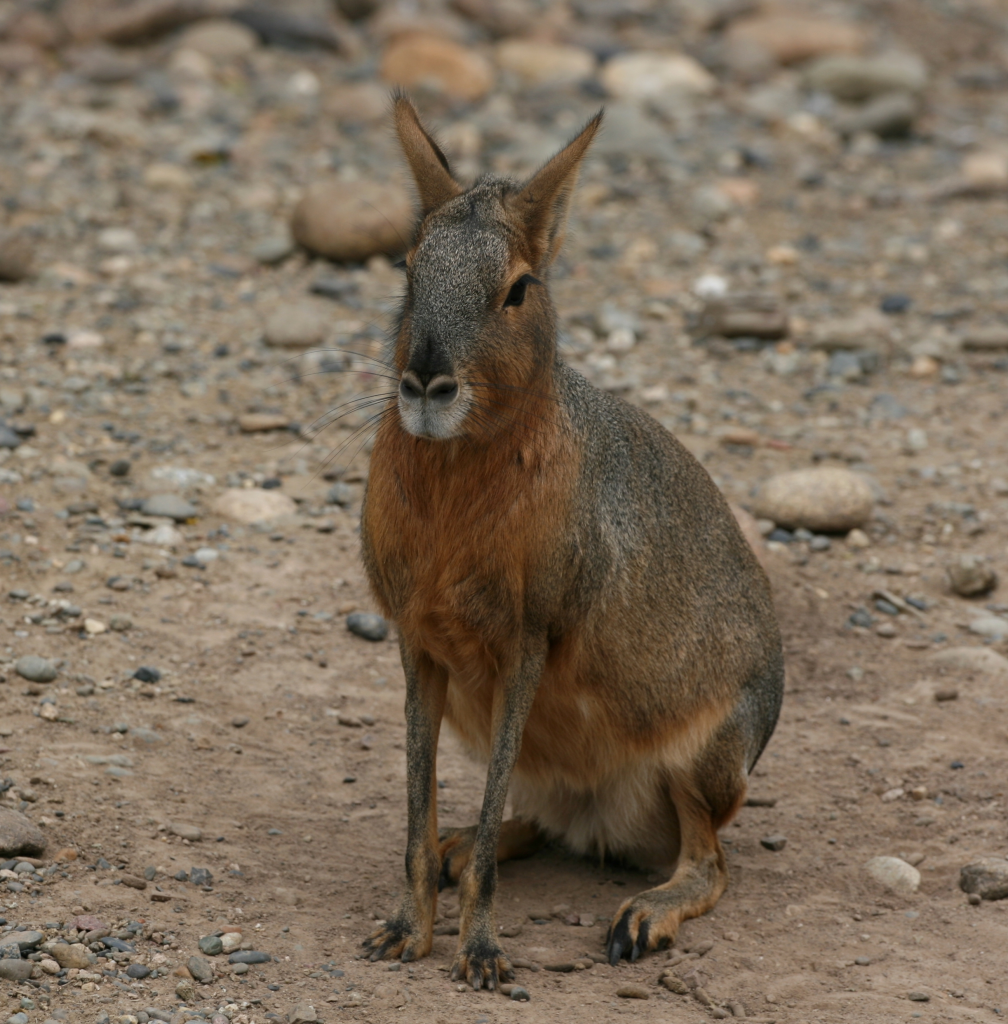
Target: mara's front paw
[(481, 964), (398, 939)]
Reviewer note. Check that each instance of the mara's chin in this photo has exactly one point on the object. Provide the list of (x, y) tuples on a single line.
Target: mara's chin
[(432, 424)]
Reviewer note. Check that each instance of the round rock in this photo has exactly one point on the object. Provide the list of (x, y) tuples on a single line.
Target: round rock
[(971, 576), (253, 505), (15, 970), (211, 945), (974, 660), (200, 969), (15, 257), (894, 874), (170, 506), (35, 669), (296, 325), (986, 878), (351, 221), (70, 955), (644, 76), (19, 836), (824, 500), (432, 61), (367, 625), (249, 956), (539, 63), (220, 39)]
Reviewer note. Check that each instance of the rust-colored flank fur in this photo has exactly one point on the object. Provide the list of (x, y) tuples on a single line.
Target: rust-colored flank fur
[(571, 591)]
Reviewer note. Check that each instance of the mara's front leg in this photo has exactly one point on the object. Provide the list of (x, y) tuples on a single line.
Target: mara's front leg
[(480, 960), (409, 933)]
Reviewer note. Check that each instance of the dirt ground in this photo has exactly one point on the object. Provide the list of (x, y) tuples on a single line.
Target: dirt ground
[(280, 735)]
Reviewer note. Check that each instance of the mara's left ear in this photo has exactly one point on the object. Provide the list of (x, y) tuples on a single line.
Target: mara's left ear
[(429, 165), (544, 201)]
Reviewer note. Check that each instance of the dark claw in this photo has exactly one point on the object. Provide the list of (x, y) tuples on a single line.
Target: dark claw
[(641, 943), (619, 940)]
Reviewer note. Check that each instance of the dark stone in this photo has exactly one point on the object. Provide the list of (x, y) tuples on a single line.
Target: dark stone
[(147, 674), (895, 304), (249, 956), (774, 843), (137, 971), (366, 625)]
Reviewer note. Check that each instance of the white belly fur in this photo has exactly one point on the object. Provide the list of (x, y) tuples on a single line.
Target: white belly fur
[(629, 816)]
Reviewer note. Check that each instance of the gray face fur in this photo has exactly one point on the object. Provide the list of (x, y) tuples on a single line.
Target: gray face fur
[(455, 279)]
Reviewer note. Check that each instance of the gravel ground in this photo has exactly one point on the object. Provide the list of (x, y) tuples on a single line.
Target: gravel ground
[(185, 395)]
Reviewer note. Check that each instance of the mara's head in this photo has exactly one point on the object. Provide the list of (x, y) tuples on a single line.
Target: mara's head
[(477, 334)]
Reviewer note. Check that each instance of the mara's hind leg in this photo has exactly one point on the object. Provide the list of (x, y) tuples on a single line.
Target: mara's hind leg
[(706, 798), (517, 839)]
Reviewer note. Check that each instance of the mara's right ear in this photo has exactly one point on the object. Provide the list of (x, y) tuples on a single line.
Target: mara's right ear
[(434, 182)]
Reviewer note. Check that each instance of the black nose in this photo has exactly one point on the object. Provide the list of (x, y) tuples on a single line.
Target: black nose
[(440, 390)]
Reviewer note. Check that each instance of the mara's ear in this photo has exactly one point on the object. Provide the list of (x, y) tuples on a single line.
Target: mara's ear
[(544, 201), (429, 166)]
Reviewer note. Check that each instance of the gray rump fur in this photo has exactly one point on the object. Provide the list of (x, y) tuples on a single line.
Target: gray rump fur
[(655, 544)]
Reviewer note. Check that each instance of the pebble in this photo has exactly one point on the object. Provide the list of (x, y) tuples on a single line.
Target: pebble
[(538, 63), (774, 843), (294, 325), (249, 956), (824, 500), (889, 116), (15, 970), (240, 969), (303, 1013), (976, 660), (190, 832), (648, 75), (71, 955), (35, 669), (855, 79), (349, 222), (367, 625), (340, 494), (200, 969), (137, 971), (171, 506), (971, 576), (273, 250), (919, 997), (164, 536), (986, 878), (230, 941), (794, 38), (147, 674), (894, 874), (990, 626), (257, 422), (185, 991), (16, 256), (518, 993), (253, 505), (220, 39), (460, 72), (633, 992), (19, 835), (212, 945)]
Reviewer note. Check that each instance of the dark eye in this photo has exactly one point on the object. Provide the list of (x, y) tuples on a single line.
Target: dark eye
[(516, 296)]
